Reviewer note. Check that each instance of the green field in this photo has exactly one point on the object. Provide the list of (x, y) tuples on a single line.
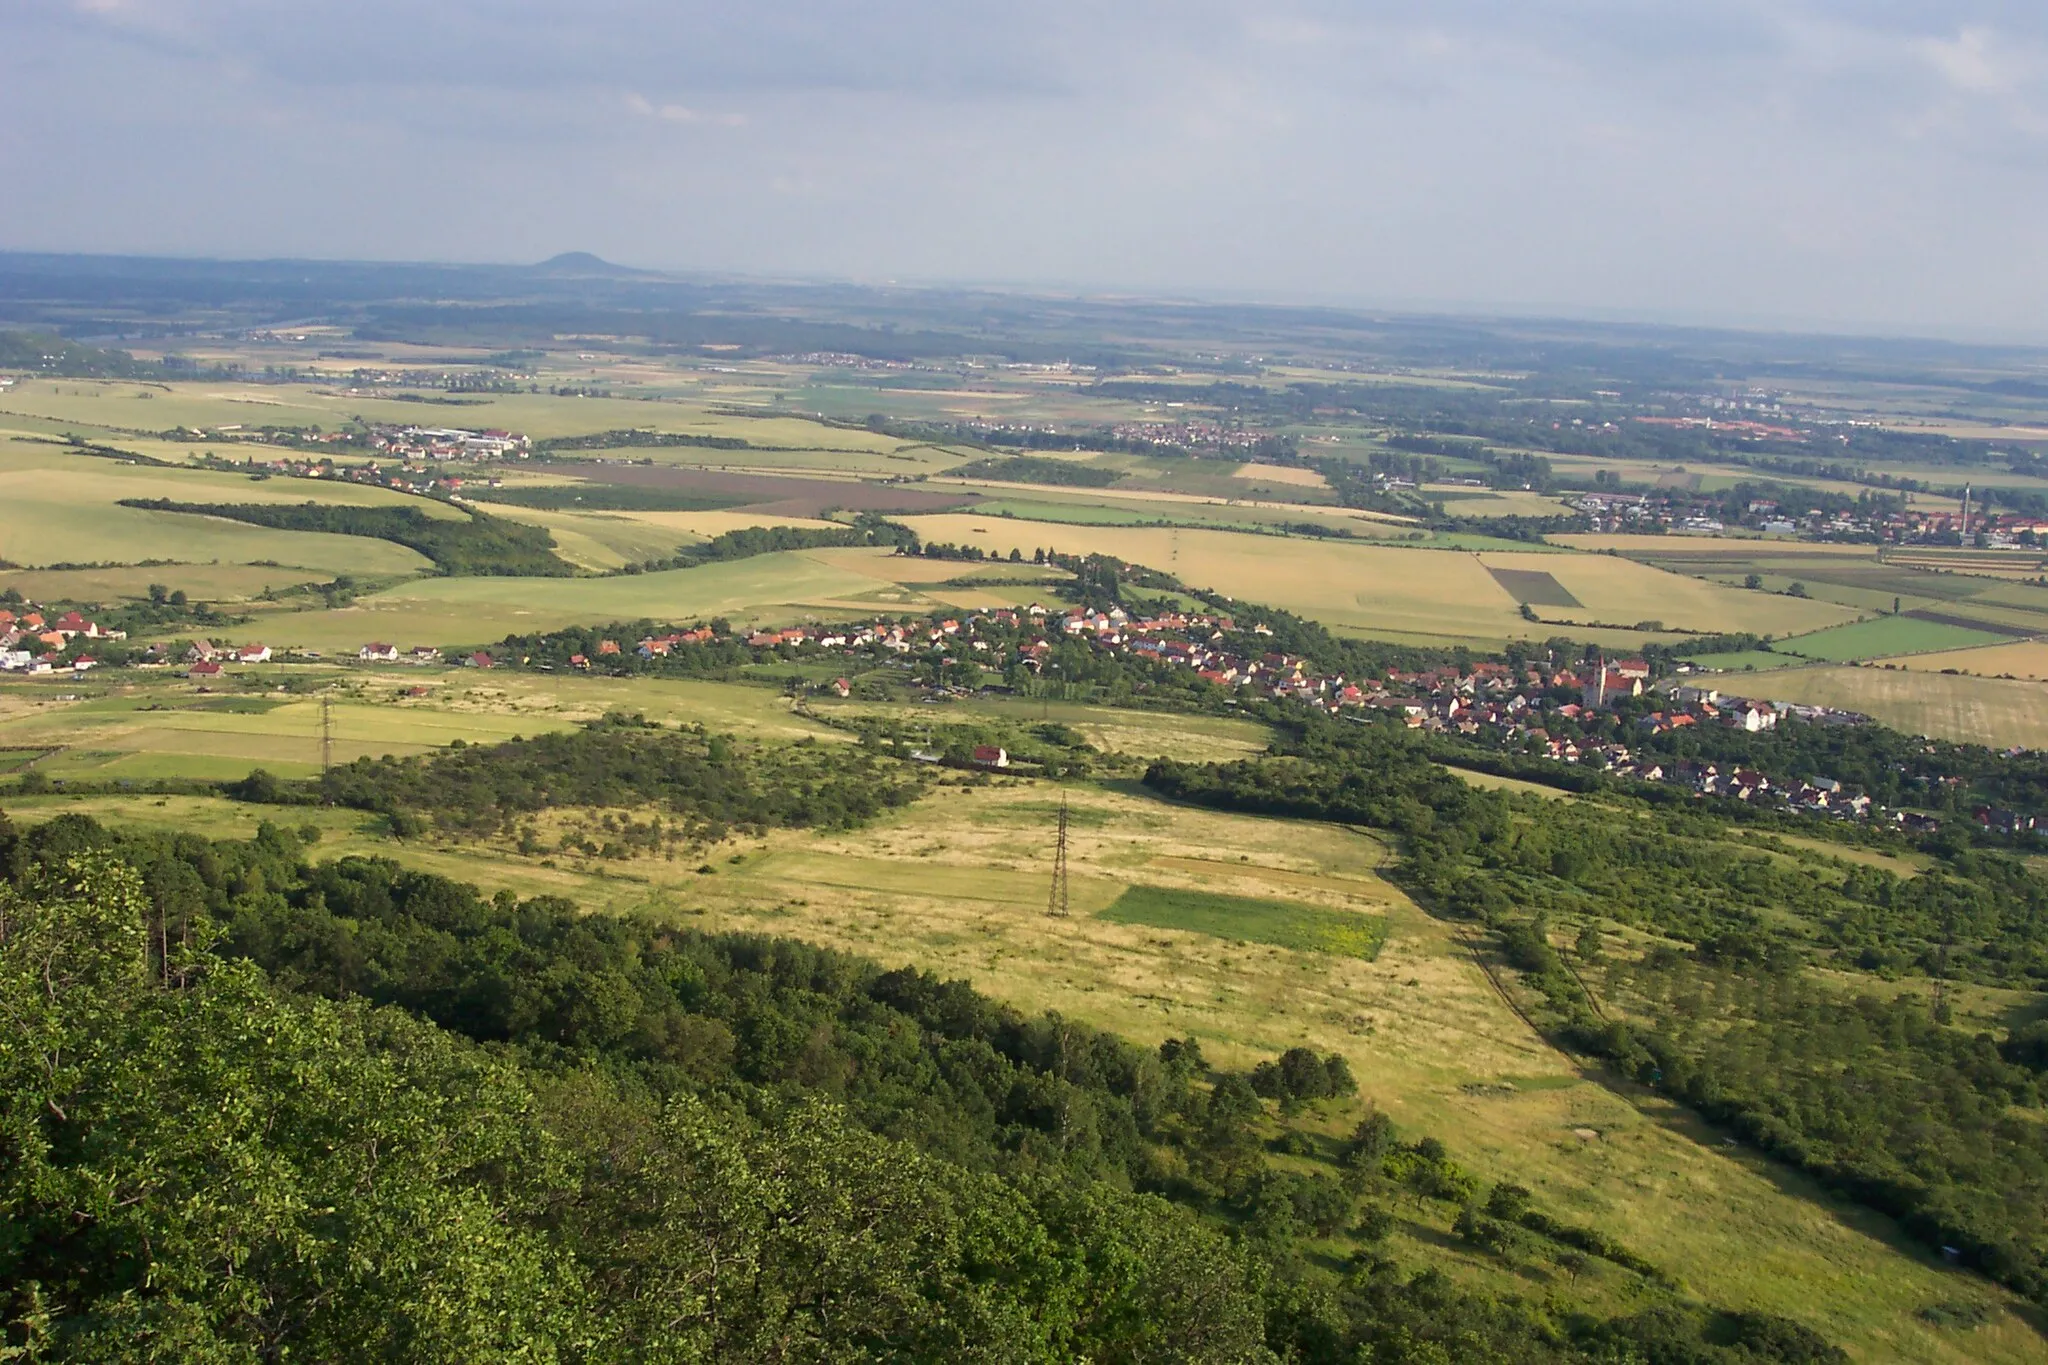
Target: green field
[(1243, 919), (1886, 635)]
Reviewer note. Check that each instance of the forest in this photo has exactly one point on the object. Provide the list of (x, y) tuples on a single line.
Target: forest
[(256, 1107), (1729, 973)]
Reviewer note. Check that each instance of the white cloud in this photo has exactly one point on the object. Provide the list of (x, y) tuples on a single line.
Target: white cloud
[(681, 113), (1974, 61)]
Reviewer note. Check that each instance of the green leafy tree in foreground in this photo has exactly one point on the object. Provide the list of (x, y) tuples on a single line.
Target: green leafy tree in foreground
[(193, 1168)]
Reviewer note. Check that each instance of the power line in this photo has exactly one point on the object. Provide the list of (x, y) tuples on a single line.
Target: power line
[(1057, 906)]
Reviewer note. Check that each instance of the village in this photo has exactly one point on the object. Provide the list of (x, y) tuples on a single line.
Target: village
[(1678, 512), (1593, 714), (1537, 711)]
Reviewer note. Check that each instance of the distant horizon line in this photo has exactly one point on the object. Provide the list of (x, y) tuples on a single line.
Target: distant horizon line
[(1740, 325)]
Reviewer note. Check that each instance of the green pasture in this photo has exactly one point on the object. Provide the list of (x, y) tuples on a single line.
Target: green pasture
[(1304, 928), (1882, 637)]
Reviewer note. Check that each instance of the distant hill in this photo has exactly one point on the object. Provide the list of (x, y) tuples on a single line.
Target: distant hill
[(584, 263)]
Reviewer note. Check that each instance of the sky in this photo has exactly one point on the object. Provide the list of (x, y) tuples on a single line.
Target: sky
[(1877, 165)]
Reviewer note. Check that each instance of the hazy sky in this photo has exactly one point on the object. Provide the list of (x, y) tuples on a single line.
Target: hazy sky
[(1878, 163)]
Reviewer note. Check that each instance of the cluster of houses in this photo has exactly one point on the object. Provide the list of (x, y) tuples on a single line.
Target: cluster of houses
[(31, 644), (1515, 710), (450, 443), (1684, 513), (417, 479)]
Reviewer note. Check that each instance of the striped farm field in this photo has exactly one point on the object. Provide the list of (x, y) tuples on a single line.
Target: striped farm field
[(1409, 593), (1967, 710)]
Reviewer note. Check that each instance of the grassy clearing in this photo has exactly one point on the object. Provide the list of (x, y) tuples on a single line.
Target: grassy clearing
[(1885, 635), (1244, 919), (1495, 782)]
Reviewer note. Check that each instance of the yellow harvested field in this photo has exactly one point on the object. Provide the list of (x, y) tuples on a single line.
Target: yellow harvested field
[(1512, 502), (704, 525), (1424, 594), (599, 541), (202, 582), (1277, 473), (2021, 659), (1948, 706)]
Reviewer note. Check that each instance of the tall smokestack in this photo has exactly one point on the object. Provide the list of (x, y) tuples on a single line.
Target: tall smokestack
[(1966, 511)]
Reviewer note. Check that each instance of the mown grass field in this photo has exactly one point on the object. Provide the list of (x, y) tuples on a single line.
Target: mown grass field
[(958, 882), (1968, 710), (2020, 659), (62, 509)]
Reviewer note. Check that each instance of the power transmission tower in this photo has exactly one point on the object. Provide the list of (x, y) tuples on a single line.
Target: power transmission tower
[(1948, 937), (1057, 906), (326, 732)]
